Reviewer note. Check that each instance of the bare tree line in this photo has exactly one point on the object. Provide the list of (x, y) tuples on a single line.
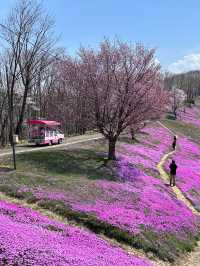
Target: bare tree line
[(28, 36), (188, 82)]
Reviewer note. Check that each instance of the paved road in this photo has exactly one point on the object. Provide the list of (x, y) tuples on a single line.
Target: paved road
[(68, 141)]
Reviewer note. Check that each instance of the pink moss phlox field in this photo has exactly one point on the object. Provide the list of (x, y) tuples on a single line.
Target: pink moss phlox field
[(191, 116), (142, 199), (136, 200), (152, 148), (28, 238), (146, 203), (187, 158)]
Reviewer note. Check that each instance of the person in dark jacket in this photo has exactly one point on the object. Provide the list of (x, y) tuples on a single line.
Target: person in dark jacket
[(174, 143), (173, 167)]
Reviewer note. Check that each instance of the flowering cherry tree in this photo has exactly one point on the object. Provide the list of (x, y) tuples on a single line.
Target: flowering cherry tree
[(124, 86)]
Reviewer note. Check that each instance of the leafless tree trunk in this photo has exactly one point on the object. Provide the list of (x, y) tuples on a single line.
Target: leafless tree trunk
[(11, 76)]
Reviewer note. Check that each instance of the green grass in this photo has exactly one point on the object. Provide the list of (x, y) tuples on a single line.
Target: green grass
[(61, 170), (12, 191), (67, 171), (69, 163), (180, 127), (128, 140), (125, 138), (193, 192)]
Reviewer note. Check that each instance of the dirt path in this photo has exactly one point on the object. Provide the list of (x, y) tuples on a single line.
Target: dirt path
[(192, 258), (176, 190), (165, 176)]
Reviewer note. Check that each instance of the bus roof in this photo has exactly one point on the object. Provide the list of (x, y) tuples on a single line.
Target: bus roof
[(43, 122)]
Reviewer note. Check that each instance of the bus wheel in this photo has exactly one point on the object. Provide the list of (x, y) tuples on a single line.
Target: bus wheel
[(59, 141)]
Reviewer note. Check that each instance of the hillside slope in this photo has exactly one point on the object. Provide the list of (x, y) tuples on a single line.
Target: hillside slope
[(128, 200)]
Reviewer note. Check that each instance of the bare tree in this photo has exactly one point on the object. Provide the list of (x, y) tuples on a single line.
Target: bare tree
[(11, 76), (188, 82), (28, 23), (3, 107)]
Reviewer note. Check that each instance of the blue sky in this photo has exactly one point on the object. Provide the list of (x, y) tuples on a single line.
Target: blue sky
[(170, 26)]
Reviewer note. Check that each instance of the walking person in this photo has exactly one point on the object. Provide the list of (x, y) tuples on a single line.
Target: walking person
[(174, 143), (173, 167)]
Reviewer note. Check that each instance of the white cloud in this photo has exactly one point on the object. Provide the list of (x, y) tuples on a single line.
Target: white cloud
[(187, 63)]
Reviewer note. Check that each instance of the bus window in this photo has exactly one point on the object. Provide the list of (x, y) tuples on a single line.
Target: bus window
[(58, 131), (47, 132), (41, 132)]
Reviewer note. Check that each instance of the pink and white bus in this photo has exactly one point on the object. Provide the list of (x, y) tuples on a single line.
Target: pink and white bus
[(44, 132)]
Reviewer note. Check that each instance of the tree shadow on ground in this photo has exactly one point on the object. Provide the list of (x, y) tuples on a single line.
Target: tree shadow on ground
[(5, 170), (77, 162), (137, 140), (128, 140)]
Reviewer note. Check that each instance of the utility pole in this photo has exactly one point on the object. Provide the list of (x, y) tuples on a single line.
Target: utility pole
[(12, 138), (14, 153)]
